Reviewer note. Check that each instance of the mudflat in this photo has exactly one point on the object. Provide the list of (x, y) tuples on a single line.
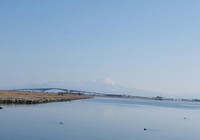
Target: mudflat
[(15, 97)]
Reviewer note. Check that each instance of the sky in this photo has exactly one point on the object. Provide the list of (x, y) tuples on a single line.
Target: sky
[(152, 45)]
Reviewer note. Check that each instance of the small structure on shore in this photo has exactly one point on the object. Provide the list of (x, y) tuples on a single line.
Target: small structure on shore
[(158, 98)]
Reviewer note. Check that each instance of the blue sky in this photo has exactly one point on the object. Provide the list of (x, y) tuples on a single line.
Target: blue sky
[(144, 44)]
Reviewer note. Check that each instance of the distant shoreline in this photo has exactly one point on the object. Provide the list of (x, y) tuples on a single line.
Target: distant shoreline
[(14, 97), (157, 98)]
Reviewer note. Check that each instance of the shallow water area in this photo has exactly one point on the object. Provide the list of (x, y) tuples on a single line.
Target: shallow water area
[(101, 119)]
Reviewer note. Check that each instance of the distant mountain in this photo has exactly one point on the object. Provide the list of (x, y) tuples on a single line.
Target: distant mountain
[(105, 86), (110, 87)]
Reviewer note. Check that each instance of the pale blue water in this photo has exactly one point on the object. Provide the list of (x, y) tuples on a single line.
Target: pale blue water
[(102, 119)]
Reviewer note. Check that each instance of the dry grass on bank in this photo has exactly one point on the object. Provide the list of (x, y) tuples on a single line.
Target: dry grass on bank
[(14, 97)]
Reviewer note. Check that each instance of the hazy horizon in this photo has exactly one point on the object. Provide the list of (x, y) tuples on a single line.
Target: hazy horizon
[(149, 45)]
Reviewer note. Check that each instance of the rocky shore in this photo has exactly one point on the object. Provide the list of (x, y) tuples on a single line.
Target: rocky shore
[(13, 97)]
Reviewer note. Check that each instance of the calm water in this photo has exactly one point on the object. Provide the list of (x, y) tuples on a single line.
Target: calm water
[(102, 119)]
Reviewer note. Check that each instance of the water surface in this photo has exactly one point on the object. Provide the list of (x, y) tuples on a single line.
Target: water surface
[(101, 119)]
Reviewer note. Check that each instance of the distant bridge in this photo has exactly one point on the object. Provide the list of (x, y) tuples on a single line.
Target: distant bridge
[(41, 89), (61, 89)]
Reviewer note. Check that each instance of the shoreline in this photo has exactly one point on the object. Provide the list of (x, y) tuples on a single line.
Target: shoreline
[(14, 97)]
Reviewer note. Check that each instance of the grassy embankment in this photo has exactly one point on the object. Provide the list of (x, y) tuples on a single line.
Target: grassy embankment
[(13, 97)]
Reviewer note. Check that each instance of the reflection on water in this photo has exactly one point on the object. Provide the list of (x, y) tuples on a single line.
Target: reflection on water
[(102, 119)]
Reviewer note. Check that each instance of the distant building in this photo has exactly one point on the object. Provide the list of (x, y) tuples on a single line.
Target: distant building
[(158, 98), (196, 100)]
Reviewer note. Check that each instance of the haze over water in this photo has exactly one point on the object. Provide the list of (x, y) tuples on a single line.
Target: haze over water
[(101, 119)]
